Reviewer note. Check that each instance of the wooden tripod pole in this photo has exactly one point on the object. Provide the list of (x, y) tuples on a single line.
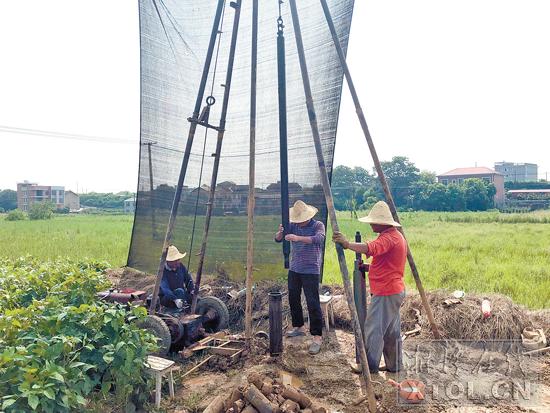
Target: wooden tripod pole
[(379, 171), (360, 344), (251, 178), (186, 156)]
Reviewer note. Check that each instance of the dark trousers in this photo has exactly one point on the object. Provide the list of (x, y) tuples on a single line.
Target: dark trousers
[(310, 284), (180, 293)]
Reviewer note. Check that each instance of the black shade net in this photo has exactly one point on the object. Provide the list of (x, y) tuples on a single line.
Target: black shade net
[(174, 42)]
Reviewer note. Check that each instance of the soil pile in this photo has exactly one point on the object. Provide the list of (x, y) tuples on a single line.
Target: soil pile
[(463, 320)]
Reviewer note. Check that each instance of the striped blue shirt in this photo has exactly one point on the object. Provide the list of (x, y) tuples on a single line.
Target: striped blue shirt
[(306, 258)]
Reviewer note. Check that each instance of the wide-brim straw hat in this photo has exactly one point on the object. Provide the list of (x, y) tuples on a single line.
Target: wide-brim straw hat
[(302, 212), (380, 214), (174, 254)]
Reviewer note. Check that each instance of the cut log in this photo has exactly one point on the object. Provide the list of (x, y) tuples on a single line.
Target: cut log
[(256, 379), (249, 409), (217, 405), (259, 401), (290, 407), (295, 395), (307, 411), (235, 395), (238, 406), (280, 399), (267, 388)]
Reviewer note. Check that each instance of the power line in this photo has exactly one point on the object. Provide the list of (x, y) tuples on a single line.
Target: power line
[(63, 135)]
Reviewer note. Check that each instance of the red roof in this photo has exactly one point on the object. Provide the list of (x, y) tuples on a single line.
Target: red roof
[(471, 171)]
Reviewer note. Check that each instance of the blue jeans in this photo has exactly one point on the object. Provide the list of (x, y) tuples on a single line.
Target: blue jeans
[(383, 332), (180, 294)]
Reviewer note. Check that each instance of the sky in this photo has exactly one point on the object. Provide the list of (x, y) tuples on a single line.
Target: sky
[(446, 83)]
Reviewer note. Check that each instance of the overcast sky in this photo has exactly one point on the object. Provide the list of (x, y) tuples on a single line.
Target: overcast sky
[(447, 83)]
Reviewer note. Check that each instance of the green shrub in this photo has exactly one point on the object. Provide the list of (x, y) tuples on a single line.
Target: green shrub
[(59, 346), (16, 215), (41, 210)]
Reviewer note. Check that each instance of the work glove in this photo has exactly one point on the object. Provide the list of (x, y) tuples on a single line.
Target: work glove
[(339, 238), (179, 303)]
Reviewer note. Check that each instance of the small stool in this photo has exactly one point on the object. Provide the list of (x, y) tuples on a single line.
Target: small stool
[(327, 309), (160, 368)]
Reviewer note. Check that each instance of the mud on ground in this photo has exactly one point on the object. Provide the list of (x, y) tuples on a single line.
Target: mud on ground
[(327, 377)]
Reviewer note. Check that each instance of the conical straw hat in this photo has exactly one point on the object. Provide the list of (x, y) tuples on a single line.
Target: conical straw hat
[(380, 214), (302, 212), (174, 254)]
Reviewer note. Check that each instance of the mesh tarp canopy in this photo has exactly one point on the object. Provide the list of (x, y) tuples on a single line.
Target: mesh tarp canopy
[(174, 41)]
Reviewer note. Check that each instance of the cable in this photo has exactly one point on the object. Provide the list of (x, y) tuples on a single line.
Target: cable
[(63, 135)]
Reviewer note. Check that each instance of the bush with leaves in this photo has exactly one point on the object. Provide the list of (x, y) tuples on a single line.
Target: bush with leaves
[(16, 215), (41, 210), (59, 346)]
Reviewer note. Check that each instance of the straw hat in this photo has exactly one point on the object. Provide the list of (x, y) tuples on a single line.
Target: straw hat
[(174, 254), (380, 214), (302, 212)]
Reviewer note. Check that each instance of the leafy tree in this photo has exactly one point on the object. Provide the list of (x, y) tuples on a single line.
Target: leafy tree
[(476, 195), (401, 175), (41, 210), (105, 200), (349, 185), (456, 198), (8, 199), (16, 215)]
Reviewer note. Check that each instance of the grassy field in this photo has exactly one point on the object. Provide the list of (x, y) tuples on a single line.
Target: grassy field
[(475, 252)]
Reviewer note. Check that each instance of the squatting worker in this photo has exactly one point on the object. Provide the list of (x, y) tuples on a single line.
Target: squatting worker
[(389, 252), (176, 287), (306, 236)]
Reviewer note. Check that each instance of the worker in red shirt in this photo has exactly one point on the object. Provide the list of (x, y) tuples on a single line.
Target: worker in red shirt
[(389, 255)]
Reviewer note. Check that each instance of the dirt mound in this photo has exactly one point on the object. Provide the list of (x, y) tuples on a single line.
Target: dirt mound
[(127, 277), (463, 320)]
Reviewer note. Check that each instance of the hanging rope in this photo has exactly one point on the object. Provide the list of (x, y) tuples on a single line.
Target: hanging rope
[(210, 101), (281, 69)]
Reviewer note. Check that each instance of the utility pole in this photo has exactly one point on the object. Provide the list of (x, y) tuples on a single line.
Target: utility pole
[(151, 188)]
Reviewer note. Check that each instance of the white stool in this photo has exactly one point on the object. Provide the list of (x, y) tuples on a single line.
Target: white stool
[(327, 310), (160, 368)]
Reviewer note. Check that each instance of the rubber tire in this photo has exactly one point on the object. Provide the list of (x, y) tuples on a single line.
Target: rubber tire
[(156, 326), (206, 303)]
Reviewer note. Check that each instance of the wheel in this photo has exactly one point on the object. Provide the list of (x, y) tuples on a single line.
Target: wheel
[(215, 312), (156, 326)]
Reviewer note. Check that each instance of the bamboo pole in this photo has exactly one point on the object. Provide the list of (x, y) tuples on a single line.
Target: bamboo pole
[(360, 344), (217, 155), (185, 161), (378, 167), (252, 173)]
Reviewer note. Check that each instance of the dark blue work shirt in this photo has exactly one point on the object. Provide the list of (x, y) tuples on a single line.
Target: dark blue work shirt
[(172, 280)]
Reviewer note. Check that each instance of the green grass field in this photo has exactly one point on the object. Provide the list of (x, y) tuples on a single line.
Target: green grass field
[(476, 252)]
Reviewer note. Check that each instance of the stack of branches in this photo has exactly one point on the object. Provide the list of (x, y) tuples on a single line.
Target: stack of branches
[(234, 296), (463, 320), (264, 395)]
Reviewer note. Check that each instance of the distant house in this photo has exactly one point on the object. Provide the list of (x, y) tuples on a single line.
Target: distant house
[(517, 172), (129, 206), (29, 193), (457, 176), (72, 201)]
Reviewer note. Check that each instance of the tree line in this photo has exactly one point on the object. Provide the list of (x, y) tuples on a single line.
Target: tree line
[(356, 188)]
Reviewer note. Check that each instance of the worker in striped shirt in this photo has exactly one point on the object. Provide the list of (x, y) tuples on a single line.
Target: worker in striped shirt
[(389, 255), (307, 237)]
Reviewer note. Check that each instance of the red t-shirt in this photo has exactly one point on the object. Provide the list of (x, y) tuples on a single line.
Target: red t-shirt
[(389, 252)]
